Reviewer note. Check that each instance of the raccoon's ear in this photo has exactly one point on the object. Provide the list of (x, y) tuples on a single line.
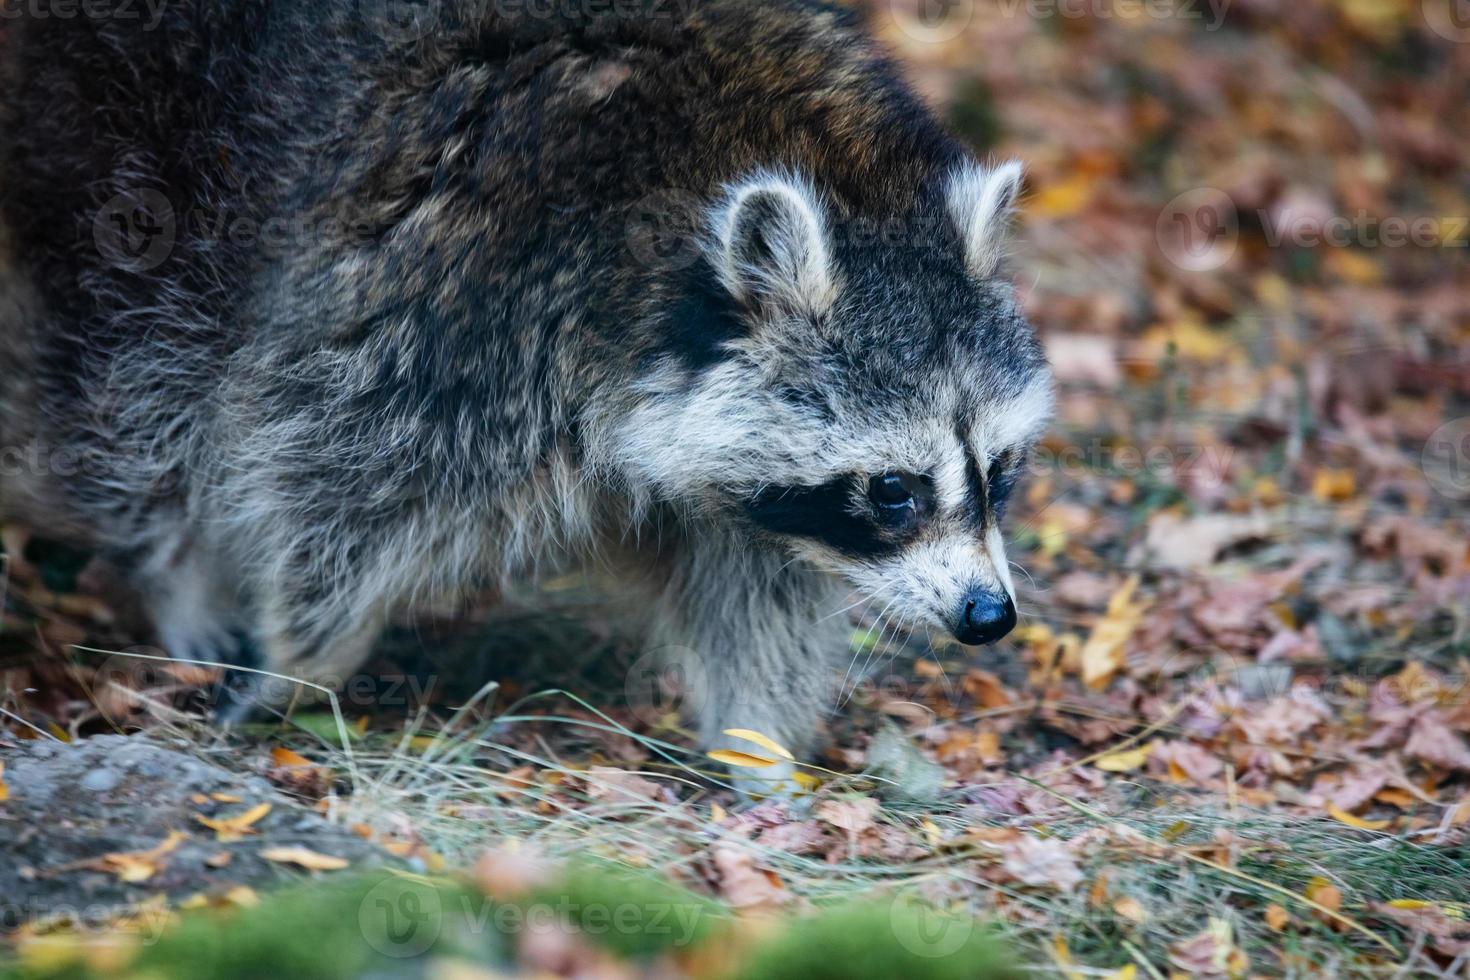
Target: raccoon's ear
[(980, 201), (771, 245)]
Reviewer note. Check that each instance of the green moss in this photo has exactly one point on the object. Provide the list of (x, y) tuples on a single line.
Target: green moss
[(880, 941)]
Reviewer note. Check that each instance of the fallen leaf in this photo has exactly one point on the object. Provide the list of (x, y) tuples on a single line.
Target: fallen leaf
[(1041, 862), (1102, 654), (305, 857), (1277, 917), (1334, 486), (1184, 543), (229, 829), (1125, 761), (621, 786), (1433, 741), (744, 885), (1131, 909), (769, 744), (139, 866), (743, 759), (282, 756), (1341, 815)]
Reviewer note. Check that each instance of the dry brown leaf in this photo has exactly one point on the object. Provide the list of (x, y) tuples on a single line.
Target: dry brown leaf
[(305, 857), (744, 885), (1183, 543), (621, 786), (1041, 863), (1433, 741)]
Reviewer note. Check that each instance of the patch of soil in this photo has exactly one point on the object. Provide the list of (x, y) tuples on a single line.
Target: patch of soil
[(71, 804)]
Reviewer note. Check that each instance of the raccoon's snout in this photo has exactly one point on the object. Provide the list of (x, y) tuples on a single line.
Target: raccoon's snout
[(984, 617)]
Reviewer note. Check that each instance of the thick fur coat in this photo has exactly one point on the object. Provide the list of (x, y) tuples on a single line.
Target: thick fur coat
[(314, 311)]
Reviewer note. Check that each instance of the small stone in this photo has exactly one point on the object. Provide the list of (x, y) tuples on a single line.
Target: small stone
[(100, 780)]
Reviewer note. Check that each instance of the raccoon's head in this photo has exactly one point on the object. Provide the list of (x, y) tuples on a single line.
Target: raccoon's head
[(861, 396)]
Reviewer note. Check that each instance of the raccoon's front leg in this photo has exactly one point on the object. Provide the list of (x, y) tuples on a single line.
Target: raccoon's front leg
[(321, 603), (759, 641)]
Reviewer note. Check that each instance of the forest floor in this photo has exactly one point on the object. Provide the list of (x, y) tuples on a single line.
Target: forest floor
[(1229, 737)]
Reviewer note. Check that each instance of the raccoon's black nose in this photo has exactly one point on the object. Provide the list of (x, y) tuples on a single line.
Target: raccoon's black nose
[(984, 617)]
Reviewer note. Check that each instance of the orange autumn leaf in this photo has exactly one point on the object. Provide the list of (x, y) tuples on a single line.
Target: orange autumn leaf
[(235, 828), (282, 756)]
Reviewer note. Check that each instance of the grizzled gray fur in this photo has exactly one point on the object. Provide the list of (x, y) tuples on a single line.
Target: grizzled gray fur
[(313, 311)]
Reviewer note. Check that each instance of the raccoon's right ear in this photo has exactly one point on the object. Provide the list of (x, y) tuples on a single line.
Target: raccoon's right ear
[(772, 247), (980, 203)]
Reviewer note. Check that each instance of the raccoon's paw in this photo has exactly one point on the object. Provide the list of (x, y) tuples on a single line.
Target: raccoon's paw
[(775, 782), (201, 639)]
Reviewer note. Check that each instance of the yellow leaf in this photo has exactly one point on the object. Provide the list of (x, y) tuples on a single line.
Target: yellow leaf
[(1102, 653), (4, 789), (138, 866), (243, 896), (225, 798), (1334, 486), (769, 744), (1130, 909), (235, 828), (806, 781), (732, 758), (1410, 904), (1064, 198), (305, 857), (1277, 917), (717, 813), (1127, 972), (1125, 761), (1338, 813)]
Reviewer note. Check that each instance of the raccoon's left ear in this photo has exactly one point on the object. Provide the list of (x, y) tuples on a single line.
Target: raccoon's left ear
[(771, 245), (980, 200)]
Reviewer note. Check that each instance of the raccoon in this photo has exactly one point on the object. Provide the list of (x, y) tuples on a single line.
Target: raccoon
[(317, 312)]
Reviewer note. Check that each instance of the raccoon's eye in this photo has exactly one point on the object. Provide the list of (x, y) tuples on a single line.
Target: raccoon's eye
[(999, 482), (893, 491)]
